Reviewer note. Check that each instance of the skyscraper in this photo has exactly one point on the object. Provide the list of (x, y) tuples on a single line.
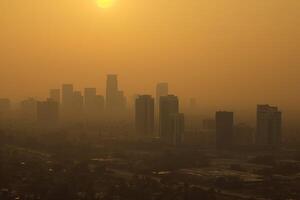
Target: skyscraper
[(93, 104), (144, 115), (111, 91), (162, 89), (168, 106), (224, 130), (67, 95), (77, 106), (99, 105), (54, 94), (67, 101), (268, 125), (90, 102), (177, 128), (28, 110), (115, 99), (48, 112)]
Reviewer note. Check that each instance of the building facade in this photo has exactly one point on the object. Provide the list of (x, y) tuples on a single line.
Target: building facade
[(268, 125), (224, 130), (144, 115)]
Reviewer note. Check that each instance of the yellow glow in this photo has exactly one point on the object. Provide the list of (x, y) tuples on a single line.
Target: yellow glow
[(105, 3)]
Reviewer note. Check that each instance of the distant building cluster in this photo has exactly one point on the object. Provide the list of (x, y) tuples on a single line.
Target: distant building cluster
[(153, 117)]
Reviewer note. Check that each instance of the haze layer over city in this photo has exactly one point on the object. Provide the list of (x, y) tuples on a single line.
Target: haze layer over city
[(226, 52), (149, 100)]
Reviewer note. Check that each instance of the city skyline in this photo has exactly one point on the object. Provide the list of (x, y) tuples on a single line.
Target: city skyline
[(149, 100), (212, 47), (185, 100)]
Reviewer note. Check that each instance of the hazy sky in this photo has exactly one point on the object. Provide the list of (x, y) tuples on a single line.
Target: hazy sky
[(220, 51)]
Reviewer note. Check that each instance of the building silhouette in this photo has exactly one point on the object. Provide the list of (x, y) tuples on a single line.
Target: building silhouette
[(93, 104), (77, 109), (67, 95), (115, 99), (54, 94), (144, 115), (99, 105), (168, 106), (177, 128), (47, 112), (224, 130), (67, 102), (162, 89), (28, 110), (268, 130), (90, 95)]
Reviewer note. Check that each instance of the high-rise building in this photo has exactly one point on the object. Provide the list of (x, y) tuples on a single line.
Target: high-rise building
[(168, 106), (144, 114), (224, 130), (67, 101), (268, 125), (77, 105), (54, 94), (93, 104), (115, 99), (111, 91), (177, 128), (100, 105), (67, 95), (48, 112), (162, 89), (28, 110), (90, 102)]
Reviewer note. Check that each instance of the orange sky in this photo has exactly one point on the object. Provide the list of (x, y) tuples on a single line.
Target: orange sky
[(223, 52)]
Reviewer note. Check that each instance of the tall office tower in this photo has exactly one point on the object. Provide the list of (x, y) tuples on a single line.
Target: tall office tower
[(100, 105), (224, 130), (29, 110), (54, 94), (47, 112), (121, 100), (268, 125), (168, 106), (115, 99), (144, 115), (67, 101), (177, 126), (162, 89), (111, 91), (93, 104), (77, 105), (90, 103)]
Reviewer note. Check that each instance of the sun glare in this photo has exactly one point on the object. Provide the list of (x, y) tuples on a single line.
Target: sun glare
[(105, 3)]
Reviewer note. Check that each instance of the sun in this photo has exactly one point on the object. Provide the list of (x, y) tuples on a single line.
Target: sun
[(105, 3)]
